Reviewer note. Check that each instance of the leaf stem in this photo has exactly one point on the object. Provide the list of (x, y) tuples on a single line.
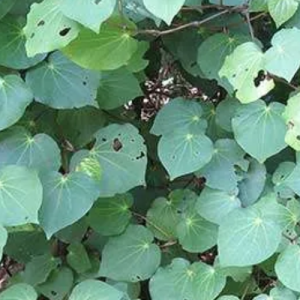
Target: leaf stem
[(194, 24)]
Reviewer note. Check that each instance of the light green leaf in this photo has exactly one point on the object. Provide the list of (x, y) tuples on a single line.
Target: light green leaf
[(20, 196), (65, 199), (242, 69), (292, 118), (258, 5), (19, 291), (89, 13), (195, 234), (132, 256), (59, 83), (15, 96), (248, 236), (213, 51), (215, 205), (179, 114), (228, 298), (91, 167), (184, 152), (182, 280), (280, 59), (110, 216), (229, 2), (19, 147), (260, 129), (77, 258), (58, 284), (121, 153), (3, 239), (282, 10), (12, 40), (219, 173), (39, 268), (164, 9), (111, 49), (47, 28), (5, 7), (95, 290), (282, 293), (279, 177), (117, 88), (252, 183), (287, 267)]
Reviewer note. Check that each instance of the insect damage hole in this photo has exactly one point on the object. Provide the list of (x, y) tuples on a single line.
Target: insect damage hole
[(97, 1), (117, 145), (261, 76), (41, 23), (65, 31)]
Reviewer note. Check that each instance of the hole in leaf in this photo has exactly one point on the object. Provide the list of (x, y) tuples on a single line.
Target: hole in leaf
[(65, 31), (117, 145), (260, 77), (41, 23), (234, 75), (298, 137), (104, 139), (193, 64), (53, 293), (97, 1), (32, 35), (141, 156), (84, 82)]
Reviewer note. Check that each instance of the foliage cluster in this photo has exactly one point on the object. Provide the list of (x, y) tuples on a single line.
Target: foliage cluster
[(149, 149)]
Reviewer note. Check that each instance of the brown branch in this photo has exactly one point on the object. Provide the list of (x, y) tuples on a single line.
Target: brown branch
[(194, 24)]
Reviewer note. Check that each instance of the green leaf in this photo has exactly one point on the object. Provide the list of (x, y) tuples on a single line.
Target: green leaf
[(19, 291), (225, 111), (279, 177), (12, 53), (73, 233), (163, 217), (47, 28), (282, 10), (95, 290), (260, 129), (179, 114), (23, 244), (66, 199), (215, 205), (20, 196), (130, 257), (3, 239), (15, 96), (117, 88), (247, 236), (19, 147), (195, 234), (77, 258), (110, 216), (164, 9), (184, 152), (80, 125), (228, 298), (182, 280), (219, 173), (213, 51), (39, 268), (89, 13), (58, 284), (252, 183), (292, 118), (121, 153), (287, 267), (242, 69), (258, 5), (280, 59), (50, 80), (5, 7), (137, 62), (282, 293), (293, 180), (111, 49), (91, 167)]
